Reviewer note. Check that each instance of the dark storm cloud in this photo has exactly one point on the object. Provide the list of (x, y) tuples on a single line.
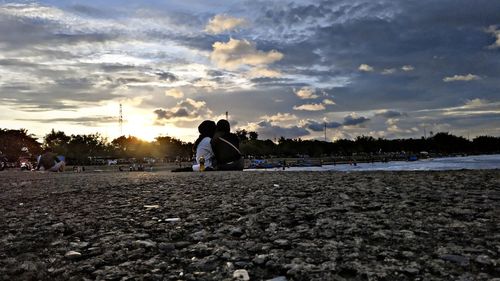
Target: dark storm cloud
[(350, 120), (320, 126), (170, 114), (185, 110), (390, 114), (167, 76), (269, 131)]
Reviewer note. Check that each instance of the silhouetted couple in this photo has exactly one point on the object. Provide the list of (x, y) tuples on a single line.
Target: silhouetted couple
[(216, 148)]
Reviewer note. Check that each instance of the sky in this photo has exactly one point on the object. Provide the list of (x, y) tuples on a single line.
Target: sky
[(392, 69)]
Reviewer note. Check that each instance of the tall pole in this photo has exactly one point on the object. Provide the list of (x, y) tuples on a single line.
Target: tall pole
[(227, 115), (325, 131), (120, 120)]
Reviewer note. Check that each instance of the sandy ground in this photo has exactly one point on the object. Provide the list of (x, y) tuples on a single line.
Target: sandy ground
[(275, 225)]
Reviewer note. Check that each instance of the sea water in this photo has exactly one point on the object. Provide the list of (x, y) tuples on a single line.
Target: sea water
[(477, 162)]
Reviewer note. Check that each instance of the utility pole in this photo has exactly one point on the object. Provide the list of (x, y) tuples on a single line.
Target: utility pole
[(227, 116), (325, 131), (120, 120)]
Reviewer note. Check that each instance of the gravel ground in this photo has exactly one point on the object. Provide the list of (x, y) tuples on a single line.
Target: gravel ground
[(271, 225)]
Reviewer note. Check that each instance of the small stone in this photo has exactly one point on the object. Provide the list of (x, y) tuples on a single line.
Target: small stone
[(344, 196), (260, 259), (145, 243), (241, 274), (460, 260), (78, 245), (483, 259), (279, 278), (181, 244), (151, 206), (412, 269), (407, 234), (199, 235), (281, 242), (408, 254), (72, 255), (166, 247), (236, 232), (58, 225)]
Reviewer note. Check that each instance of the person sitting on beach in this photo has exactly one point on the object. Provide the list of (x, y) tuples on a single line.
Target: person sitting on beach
[(204, 154), (50, 162), (226, 148)]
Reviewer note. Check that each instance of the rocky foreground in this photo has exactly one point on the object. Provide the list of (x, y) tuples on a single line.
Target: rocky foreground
[(269, 225)]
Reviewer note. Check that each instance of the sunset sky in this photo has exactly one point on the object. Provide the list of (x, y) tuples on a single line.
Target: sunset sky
[(282, 68)]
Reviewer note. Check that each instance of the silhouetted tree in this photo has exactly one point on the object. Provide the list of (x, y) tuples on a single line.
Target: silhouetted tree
[(58, 141), (242, 134), (253, 135), (12, 141)]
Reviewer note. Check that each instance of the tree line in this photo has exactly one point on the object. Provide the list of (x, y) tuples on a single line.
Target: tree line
[(83, 149)]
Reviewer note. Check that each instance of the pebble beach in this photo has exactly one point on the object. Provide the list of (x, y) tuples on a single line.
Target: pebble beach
[(426, 225)]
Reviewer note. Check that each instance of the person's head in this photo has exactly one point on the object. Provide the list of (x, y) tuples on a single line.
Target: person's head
[(207, 128), (223, 126)]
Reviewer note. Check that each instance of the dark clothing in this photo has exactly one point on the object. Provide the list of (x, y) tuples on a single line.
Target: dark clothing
[(47, 160), (237, 165), (227, 157)]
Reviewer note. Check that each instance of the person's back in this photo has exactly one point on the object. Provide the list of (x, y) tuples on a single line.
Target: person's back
[(50, 162), (202, 146), (204, 150), (226, 148)]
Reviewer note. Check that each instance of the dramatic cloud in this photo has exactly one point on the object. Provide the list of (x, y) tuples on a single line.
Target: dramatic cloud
[(306, 93), (236, 53), (221, 23), (187, 109), (353, 120), (365, 68), (59, 60), (175, 93), (468, 77), (318, 126), (279, 117), (328, 102), (167, 76), (389, 114), (389, 71), (310, 107), (258, 72), (407, 68), (270, 131), (87, 121), (493, 29)]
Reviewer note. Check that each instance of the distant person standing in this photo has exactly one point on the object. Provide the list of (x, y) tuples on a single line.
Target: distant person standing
[(50, 162), (226, 147)]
